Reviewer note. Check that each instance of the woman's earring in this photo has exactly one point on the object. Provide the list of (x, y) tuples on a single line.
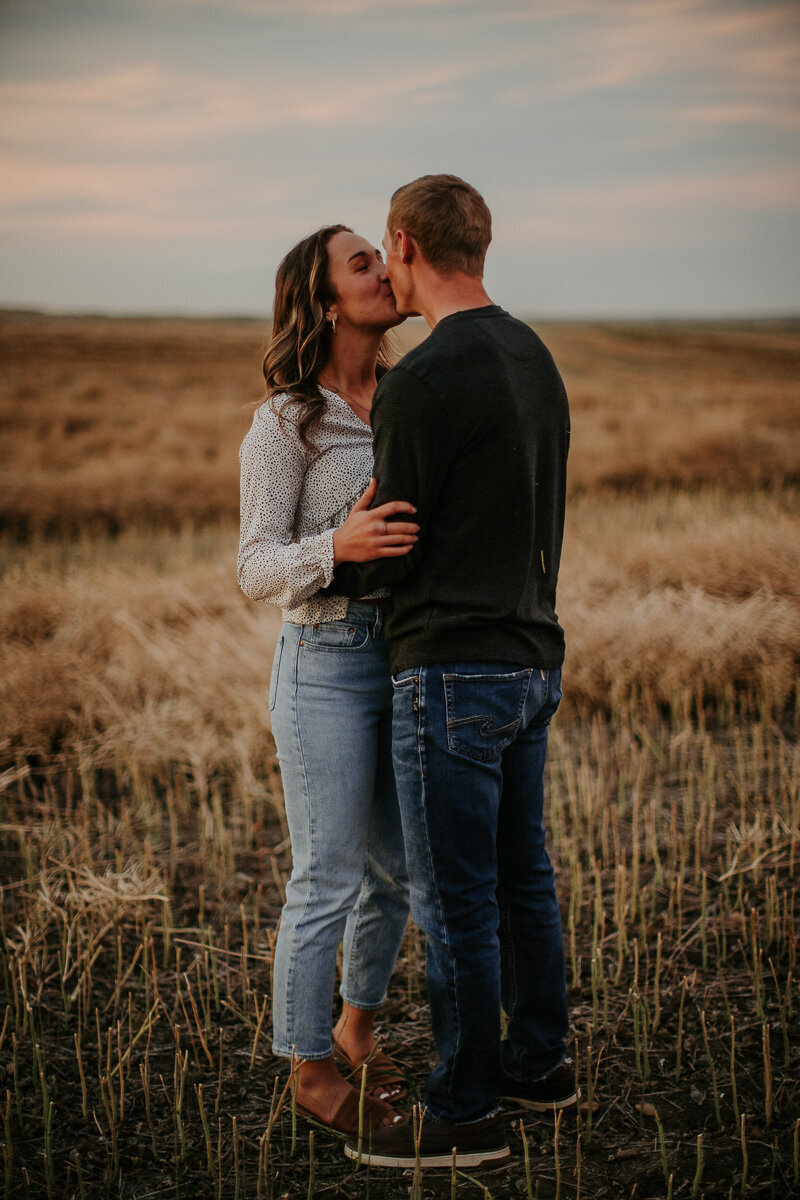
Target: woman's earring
[(333, 324)]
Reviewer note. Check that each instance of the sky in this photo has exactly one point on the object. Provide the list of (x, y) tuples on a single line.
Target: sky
[(641, 158)]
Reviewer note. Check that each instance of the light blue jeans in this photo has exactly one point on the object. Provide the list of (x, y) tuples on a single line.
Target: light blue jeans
[(331, 704)]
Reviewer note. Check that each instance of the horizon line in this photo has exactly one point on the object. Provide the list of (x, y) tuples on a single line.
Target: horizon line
[(722, 316)]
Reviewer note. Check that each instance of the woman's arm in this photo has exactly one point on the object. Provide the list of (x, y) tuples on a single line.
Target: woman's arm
[(271, 566), (274, 568)]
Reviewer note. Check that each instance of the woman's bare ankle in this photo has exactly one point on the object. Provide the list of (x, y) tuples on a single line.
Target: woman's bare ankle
[(317, 1083), (353, 1031)]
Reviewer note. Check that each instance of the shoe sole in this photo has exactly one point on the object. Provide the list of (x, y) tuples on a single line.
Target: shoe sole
[(542, 1105), (464, 1158)]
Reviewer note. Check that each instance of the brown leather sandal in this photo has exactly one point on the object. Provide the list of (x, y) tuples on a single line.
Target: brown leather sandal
[(382, 1074), (344, 1119)]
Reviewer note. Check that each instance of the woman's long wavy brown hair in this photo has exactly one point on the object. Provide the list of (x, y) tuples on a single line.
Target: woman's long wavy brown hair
[(301, 337)]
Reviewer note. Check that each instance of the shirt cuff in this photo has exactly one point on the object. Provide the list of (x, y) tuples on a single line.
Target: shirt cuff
[(326, 556)]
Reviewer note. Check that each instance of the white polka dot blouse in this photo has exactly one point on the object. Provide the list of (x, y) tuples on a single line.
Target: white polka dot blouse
[(293, 497)]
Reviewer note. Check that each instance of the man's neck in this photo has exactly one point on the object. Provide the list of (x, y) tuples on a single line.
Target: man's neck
[(444, 295)]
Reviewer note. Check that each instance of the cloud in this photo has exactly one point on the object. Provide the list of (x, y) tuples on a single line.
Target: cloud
[(139, 201), (141, 105), (754, 51), (144, 109), (640, 212), (737, 113), (312, 8), (390, 10), (603, 123), (25, 183)]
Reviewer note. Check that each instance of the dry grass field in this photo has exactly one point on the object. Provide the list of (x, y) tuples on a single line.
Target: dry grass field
[(143, 847), (106, 423)]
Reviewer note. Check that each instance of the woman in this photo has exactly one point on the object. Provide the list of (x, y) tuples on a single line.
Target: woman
[(305, 465)]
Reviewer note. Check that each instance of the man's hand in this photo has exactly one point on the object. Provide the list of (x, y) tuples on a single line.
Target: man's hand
[(367, 534)]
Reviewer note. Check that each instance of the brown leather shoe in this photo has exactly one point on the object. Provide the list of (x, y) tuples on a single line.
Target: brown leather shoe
[(474, 1143)]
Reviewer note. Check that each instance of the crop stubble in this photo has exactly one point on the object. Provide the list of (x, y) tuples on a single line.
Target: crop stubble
[(143, 838)]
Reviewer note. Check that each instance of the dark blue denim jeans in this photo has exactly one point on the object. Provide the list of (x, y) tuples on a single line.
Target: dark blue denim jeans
[(469, 747)]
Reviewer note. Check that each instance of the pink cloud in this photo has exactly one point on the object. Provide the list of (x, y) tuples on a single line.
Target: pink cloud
[(635, 213)]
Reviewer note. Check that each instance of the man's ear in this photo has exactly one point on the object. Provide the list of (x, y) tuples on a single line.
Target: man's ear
[(406, 246)]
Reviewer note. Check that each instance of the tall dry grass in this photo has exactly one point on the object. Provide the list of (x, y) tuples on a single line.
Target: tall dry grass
[(110, 423), (682, 592), (133, 666), (113, 423), (139, 654), (682, 404)]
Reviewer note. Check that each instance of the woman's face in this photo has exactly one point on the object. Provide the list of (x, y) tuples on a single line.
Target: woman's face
[(357, 275)]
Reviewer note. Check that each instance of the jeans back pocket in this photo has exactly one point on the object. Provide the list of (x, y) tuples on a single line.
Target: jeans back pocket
[(484, 712)]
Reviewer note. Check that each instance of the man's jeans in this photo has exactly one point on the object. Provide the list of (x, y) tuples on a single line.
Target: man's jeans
[(331, 702), (469, 746)]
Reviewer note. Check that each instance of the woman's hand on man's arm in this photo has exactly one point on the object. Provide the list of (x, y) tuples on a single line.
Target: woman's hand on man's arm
[(368, 533)]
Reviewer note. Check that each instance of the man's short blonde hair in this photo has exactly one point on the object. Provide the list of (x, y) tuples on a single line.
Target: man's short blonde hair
[(448, 218)]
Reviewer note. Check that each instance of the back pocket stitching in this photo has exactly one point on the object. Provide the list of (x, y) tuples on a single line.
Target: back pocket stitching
[(455, 743)]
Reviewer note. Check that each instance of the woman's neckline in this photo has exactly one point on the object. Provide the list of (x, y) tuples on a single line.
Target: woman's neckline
[(350, 409)]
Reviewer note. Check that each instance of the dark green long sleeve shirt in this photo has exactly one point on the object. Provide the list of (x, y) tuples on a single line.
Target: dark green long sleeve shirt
[(472, 427)]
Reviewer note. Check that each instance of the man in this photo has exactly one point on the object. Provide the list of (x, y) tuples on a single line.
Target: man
[(472, 427)]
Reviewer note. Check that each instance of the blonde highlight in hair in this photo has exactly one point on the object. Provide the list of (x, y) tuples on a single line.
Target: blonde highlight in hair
[(300, 342), (449, 220)]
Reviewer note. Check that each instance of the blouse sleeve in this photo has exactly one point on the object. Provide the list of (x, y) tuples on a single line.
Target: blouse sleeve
[(272, 567)]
